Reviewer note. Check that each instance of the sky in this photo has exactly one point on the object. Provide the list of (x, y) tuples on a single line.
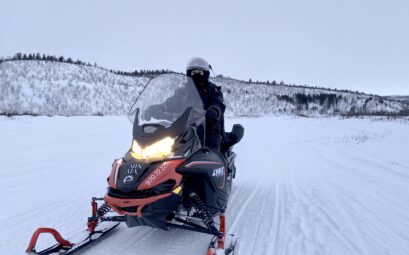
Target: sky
[(350, 44)]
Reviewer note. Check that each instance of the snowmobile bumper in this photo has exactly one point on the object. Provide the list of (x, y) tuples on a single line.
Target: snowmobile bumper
[(140, 206), (152, 211)]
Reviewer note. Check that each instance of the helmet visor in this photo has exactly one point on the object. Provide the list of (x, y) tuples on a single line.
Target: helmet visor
[(195, 72)]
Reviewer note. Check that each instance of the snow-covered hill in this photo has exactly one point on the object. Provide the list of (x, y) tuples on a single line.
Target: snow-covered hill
[(403, 99), (55, 88), (311, 186)]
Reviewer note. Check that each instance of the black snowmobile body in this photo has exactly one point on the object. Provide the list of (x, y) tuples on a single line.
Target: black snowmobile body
[(191, 182)]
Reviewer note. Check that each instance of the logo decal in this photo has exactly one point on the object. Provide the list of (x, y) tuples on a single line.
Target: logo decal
[(134, 168), (128, 179), (218, 172)]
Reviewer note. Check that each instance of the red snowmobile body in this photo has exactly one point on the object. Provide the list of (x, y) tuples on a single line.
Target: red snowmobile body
[(169, 178)]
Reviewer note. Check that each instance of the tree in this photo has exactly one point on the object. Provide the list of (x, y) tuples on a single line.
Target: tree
[(18, 56), (52, 58)]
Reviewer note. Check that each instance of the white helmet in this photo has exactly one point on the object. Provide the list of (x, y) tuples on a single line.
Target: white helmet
[(198, 63)]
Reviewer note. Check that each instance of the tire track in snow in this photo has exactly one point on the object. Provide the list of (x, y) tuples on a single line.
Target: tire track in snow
[(274, 247), (330, 221), (243, 206), (363, 211)]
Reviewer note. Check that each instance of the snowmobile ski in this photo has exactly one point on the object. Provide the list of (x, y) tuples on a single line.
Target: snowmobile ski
[(215, 248), (67, 247), (217, 245)]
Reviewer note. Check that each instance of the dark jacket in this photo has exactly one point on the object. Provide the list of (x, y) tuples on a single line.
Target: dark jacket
[(212, 97)]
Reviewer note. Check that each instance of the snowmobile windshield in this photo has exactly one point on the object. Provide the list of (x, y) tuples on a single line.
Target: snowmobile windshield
[(164, 99)]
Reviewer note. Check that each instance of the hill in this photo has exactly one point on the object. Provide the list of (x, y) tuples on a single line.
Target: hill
[(39, 87)]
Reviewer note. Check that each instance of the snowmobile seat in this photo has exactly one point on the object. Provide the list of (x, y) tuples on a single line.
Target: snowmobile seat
[(237, 133), (233, 137)]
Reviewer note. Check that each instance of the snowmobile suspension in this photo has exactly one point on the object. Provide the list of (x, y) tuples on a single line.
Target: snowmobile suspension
[(103, 209), (97, 213), (202, 211)]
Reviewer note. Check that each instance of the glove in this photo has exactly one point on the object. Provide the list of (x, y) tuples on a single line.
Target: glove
[(213, 114), (154, 111)]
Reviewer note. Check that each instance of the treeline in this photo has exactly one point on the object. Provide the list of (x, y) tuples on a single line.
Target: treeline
[(282, 83), (327, 100), (61, 59), (144, 73), (392, 115), (44, 57), (152, 73)]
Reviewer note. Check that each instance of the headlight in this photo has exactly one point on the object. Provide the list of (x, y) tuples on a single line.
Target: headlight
[(156, 151)]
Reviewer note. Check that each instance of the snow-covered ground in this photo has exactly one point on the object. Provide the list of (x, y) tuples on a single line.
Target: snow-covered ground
[(304, 186)]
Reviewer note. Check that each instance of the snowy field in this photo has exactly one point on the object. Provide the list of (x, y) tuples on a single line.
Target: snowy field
[(303, 186)]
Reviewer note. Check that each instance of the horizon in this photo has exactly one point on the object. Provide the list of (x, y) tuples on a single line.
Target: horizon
[(345, 45), (96, 65)]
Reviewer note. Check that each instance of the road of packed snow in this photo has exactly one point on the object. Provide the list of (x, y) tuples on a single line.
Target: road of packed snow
[(303, 186)]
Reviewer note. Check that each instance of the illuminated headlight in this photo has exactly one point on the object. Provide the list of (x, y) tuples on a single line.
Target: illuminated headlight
[(156, 151)]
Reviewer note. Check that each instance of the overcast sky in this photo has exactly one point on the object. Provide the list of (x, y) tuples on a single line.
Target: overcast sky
[(353, 44)]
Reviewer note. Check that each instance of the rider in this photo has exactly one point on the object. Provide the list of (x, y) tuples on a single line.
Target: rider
[(199, 70), (212, 98)]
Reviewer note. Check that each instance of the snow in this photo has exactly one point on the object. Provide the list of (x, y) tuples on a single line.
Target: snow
[(303, 186)]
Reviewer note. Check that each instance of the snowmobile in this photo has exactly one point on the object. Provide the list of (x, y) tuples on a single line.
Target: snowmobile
[(168, 178)]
